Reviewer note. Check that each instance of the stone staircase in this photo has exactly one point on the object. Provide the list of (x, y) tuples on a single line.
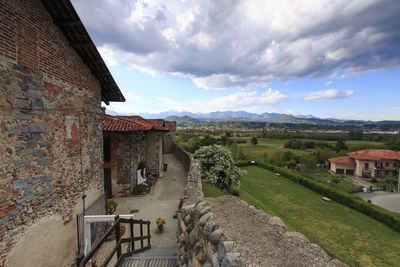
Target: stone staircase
[(154, 257)]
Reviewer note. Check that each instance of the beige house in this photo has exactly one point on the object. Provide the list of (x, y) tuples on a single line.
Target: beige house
[(367, 163)]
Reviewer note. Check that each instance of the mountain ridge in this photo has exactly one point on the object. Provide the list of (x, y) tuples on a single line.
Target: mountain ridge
[(186, 116)]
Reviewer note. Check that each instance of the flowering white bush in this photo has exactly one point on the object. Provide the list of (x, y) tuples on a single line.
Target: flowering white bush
[(218, 167)]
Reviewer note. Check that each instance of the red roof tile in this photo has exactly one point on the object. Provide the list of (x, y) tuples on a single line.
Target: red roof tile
[(130, 124), (343, 160), (171, 125), (118, 124), (375, 154)]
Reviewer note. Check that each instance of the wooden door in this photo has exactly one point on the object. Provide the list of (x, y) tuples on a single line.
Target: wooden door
[(107, 182)]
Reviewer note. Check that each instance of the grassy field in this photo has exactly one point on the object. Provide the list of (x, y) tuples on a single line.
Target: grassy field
[(323, 176), (342, 232), (272, 145), (266, 146)]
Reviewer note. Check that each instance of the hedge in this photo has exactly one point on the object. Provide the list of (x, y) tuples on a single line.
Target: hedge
[(382, 215)]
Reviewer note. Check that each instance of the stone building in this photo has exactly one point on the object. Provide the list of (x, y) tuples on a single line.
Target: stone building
[(169, 137), (52, 82), (129, 140)]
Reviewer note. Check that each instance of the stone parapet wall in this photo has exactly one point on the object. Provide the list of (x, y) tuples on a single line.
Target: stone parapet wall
[(184, 157), (225, 231)]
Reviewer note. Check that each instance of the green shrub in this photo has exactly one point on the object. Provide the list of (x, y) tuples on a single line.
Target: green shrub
[(382, 215), (217, 166), (242, 163), (111, 206)]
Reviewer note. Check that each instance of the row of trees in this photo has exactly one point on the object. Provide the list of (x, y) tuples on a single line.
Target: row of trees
[(303, 145)]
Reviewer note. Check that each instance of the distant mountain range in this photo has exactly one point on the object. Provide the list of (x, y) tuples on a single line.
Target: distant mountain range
[(185, 116)]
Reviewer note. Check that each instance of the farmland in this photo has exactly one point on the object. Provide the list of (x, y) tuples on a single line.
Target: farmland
[(341, 231)]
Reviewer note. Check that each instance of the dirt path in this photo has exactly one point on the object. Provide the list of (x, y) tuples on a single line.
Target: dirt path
[(162, 201)]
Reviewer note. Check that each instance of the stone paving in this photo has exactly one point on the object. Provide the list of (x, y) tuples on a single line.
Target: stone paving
[(162, 201)]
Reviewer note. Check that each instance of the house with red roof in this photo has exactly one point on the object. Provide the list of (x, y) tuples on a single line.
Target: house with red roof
[(129, 142), (367, 163)]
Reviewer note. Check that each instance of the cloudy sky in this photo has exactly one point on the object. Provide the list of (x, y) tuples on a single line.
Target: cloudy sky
[(326, 58)]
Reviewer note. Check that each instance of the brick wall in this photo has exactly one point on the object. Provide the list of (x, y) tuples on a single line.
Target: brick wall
[(50, 133)]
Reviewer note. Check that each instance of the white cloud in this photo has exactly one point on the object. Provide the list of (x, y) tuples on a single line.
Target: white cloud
[(169, 102), (132, 98), (245, 44), (328, 83), (329, 94), (395, 108), (235, 101)]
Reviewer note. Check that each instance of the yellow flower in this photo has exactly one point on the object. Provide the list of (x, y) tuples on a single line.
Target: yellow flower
[(160, 220)]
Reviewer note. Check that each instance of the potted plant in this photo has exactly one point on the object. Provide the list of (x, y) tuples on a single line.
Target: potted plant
[(111, 207), (160, 224)]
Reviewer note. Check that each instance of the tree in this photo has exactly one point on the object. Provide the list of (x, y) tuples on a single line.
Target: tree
[(254, 140), (218, 167), (340, 145), (355, 135)]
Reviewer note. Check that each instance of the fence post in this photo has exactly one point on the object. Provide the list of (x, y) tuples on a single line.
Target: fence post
[(117, 236), (132, 235), (141, 233), (148, 235)]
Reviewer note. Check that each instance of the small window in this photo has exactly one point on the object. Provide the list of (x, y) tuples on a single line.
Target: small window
[(366, 166), (386, 173), (386, 164), (379, 165), (395, 164)]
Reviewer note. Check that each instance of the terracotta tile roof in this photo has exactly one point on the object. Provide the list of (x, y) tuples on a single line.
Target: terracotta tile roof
[(375, 154), (343, 160), (130, 124), (118, 124), (159, 122), (154, 124), (171, 125)]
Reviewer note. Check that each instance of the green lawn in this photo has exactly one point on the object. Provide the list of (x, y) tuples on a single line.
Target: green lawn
[(342, 232), (266, 146), (269, 145), (323, 176), (212, 191)]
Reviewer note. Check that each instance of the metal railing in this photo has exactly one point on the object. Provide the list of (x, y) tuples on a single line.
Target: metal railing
[(119, 241)]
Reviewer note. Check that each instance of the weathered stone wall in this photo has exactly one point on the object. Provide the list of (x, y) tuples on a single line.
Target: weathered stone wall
[(127, 150), (169, 137), (50, 133), (184, 157), (154, 141), (227, 232)]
